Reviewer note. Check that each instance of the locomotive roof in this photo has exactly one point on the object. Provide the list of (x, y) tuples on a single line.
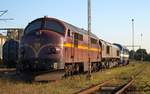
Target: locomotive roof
[(105, 42), (121, 46), (71, 27), (79, 30)]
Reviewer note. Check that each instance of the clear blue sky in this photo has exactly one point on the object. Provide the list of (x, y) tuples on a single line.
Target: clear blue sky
[(111, 19)]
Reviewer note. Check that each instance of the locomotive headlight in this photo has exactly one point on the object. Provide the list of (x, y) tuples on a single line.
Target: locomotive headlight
[(53, 50), (58, 49), (38, 33)]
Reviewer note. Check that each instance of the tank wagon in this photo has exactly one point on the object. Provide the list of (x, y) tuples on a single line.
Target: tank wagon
[(52, 44), (10, 53)]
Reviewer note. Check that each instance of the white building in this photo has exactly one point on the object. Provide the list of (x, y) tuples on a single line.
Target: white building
[(2, 41)]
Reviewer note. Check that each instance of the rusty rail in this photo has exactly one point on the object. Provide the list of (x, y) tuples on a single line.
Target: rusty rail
[(92, 88), (121, 91), (7, 69)]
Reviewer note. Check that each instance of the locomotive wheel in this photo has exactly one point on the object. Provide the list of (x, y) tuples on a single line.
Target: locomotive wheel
[(68, 70), (77, 68), (73, 69)]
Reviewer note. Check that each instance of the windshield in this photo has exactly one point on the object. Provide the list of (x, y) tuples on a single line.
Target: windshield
[(48, 24), (33, 26), (54, 25)]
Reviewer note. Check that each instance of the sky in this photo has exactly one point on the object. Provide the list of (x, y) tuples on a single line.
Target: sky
[(111, 19)]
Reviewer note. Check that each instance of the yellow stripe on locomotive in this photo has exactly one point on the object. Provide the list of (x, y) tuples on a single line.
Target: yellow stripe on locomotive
[(80, 47)]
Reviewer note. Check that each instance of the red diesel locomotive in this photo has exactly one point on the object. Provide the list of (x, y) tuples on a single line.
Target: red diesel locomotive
[(52, 44)]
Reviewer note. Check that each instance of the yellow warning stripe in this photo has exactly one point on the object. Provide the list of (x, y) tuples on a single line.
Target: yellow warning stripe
[(80, 47)]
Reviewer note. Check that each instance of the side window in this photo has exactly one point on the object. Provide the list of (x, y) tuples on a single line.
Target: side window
[(107, 49), (68, 34), (93, 41), (78, 36), (54, 25), (75, 39), (33, 26), (117, 52)]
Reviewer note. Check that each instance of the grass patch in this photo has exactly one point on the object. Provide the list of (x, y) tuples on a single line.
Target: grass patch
[(75, 83)]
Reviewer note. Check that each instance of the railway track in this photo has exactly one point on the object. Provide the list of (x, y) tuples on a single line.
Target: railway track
[(124, 88), (5, 71), (45, 76), (49, 76), (92, 88), (108, 88), (42, 76)]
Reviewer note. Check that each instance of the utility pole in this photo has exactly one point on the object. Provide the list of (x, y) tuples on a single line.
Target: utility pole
[(141, 48), (141, 40), (133, 34), (89, 31), (133, 37)]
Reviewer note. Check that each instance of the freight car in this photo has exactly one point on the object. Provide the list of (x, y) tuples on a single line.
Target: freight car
[(52, 44), (10, 53)]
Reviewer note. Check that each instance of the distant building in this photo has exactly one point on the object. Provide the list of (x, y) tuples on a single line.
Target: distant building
[(12, 33), (2, 41)]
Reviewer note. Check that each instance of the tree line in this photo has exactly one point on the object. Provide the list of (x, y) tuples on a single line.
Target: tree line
[(140, 54)]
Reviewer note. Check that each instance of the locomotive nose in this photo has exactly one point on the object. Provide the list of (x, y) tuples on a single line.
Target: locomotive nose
[(43, 44), (50, 45), (42, 48)]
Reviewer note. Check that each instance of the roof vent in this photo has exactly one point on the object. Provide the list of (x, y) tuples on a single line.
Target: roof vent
[(45, 16), (82, 28)]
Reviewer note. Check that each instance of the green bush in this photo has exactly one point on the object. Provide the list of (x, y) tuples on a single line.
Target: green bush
[(140, 54)]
